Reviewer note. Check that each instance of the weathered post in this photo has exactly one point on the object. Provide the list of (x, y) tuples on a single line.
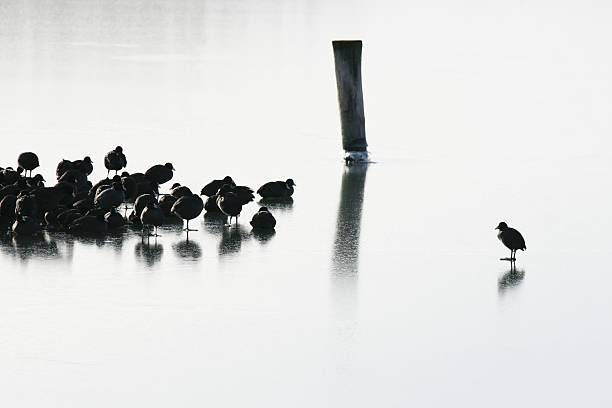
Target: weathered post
[(347, 59)]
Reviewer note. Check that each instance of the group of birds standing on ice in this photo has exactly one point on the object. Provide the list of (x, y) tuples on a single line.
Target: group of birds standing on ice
[(74, 204)]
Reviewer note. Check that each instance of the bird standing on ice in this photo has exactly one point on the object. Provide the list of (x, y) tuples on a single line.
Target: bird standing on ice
[(512, 239)]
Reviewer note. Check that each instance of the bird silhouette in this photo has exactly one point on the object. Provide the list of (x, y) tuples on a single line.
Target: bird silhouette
[(512, 239), (263, 219), (213, 187), (160, 173), (229, 203), (152, 216), (115, 160), (188, 208), (277, 189), (28, 161)]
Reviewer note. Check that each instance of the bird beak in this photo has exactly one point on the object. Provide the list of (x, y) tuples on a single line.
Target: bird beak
[(496, 228)]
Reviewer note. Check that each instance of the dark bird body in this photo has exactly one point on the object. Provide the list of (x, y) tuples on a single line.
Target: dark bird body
[(26, 206), (152, 216), (141, 203), (89, 224), (511, 238), (188, 208), (213, 187), (277, 189), (28, 161), (160, 174), (111, 197), (229, 203), (113, 219), (179, 191), (25, 226), (166, 202), (263, 219), (115, 160), (7, 207)]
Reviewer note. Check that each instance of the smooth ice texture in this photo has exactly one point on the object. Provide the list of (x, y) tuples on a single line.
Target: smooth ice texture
[(382, 286)]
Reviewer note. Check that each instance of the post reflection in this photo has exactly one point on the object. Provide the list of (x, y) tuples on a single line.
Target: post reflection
[(345, 262), (348, 223)]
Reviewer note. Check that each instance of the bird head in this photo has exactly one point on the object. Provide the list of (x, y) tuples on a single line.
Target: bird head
[(169, 166), (119, 149), (175, 185), (87, 159), (263, 209), (290, 182), (502, 226)]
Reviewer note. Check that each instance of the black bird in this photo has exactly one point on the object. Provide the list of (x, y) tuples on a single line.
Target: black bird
[(28, 161), (159, 173), (277, 189), (10, 176), (111, 197), (130, 187), (85, 166), (166, 202), (152, 216), (63, 167), (26, 206), (211, 205), (89, 224), (25, 226), (188, 208), (115, 160), (263, 219), (7, 207), (229, 203), (512, 239), (114, 219), (213, 187), (179, 191), (141, 203)]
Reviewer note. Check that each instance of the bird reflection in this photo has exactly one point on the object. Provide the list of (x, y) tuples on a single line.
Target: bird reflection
[(231, 240), (149, 252), (188, 250), (279, 204), (26, 247), (214, 223), (263, 236), (348, 224), (511, 279)]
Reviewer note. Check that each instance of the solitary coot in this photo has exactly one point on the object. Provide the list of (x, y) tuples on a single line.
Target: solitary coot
[(277, 189), (512, 239)]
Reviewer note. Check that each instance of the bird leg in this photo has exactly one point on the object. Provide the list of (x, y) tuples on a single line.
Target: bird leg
[(187, 229)]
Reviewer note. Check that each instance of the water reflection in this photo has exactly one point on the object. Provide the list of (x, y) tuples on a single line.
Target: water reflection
[(149, 252), (348, 224), (26, 247), (231, 240), (263, 236), (188, 250), (214, 223), (511, 279)]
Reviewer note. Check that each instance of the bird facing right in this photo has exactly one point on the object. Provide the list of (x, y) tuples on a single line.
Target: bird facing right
[(512, 239)]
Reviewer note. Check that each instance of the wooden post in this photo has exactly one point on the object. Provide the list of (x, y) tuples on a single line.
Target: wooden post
[(347, 59)]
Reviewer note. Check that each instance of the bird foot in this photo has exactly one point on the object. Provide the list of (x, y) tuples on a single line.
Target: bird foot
[(507, 259), (189, 229), (154, 235)]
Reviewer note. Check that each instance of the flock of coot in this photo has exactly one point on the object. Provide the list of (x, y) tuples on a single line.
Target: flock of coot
[(74, 204)]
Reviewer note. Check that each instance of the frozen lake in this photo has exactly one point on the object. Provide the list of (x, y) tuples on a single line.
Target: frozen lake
[(382, 285)]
